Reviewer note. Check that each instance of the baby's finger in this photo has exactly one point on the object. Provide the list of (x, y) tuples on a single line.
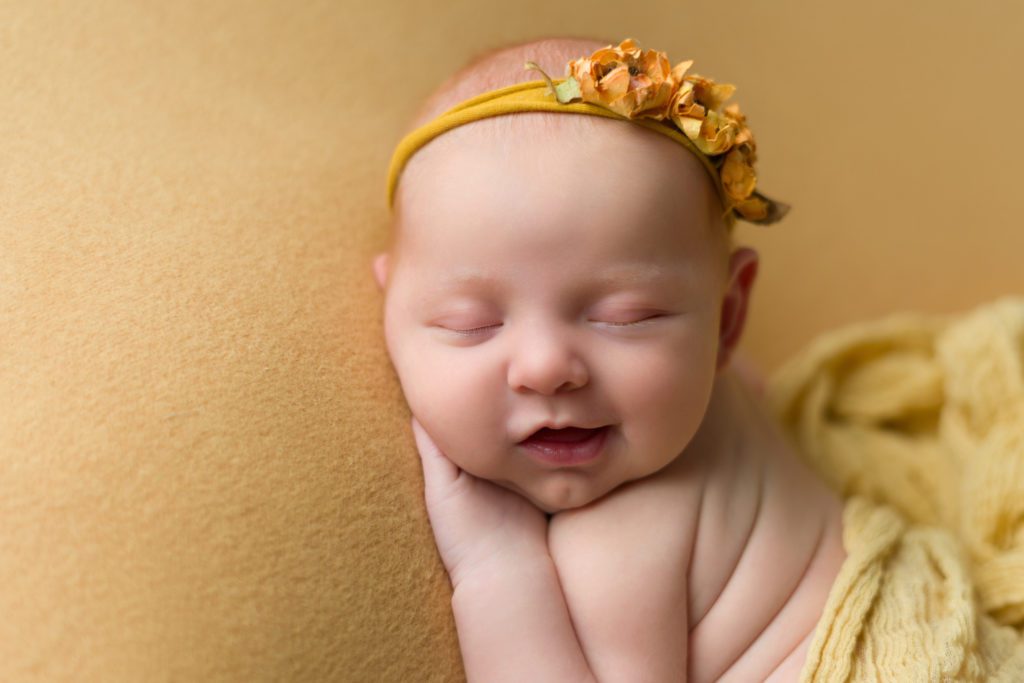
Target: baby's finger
[(438, 471)]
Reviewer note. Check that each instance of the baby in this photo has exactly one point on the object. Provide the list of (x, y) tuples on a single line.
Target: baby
[(608, 492)]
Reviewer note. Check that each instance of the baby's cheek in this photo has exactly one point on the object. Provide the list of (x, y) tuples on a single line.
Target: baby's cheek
[(663, 394), (453, 401), (663, 375)]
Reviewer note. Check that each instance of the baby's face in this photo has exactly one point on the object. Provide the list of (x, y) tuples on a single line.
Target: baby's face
[(564, 284)]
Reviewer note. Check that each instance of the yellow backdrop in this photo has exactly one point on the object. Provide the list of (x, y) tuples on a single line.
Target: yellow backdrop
[(206, 471)]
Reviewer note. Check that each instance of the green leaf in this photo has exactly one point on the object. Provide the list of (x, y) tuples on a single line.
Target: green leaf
[(564, 92), (568, 90)]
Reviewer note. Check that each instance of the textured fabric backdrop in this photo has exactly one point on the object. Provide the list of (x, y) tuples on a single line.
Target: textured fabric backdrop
[(206, 471)]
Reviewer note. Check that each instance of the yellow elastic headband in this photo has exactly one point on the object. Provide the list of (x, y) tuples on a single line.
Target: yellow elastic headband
[(634, 85)]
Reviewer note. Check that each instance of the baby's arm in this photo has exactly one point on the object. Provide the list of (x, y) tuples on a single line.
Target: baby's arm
[(622, 562), (514, 625), (511, 617)]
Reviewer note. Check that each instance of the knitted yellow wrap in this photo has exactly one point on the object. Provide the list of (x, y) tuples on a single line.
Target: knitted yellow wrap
[(918, 422)]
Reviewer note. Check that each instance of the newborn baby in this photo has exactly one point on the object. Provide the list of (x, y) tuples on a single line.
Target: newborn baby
[(610, 496)]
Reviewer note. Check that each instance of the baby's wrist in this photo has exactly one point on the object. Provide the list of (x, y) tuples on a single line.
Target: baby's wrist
[(504, 570)]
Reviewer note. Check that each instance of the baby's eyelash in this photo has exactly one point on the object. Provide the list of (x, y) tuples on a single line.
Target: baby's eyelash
[(475, 330), (478, 330), (634, 322)]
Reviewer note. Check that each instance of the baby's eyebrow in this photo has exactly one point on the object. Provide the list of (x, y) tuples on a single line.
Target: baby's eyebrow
[(625, 274), (642, 274)]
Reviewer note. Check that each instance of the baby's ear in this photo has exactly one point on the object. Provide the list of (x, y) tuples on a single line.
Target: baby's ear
[(380, 269), (742, 272)]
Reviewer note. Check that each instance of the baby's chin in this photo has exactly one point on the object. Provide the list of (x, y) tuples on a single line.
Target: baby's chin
[(559, 497)]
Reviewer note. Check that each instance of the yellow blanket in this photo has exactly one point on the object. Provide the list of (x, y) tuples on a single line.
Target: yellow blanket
[(918, 422)]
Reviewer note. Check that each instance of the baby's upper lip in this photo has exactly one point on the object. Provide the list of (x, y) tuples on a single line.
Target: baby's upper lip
[(550, 424)]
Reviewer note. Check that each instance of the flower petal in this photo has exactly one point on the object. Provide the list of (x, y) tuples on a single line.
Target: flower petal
[(737, 175)]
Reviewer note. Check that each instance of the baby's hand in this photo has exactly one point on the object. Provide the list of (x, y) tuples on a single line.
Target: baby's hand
[(477, 525)]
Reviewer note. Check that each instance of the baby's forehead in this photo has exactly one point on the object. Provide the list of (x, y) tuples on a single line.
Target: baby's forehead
[(588, 161)]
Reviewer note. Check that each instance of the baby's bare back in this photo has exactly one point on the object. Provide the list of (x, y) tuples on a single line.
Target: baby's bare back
[(720, 563)]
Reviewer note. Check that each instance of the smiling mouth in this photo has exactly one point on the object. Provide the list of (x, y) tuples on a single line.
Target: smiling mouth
[(565, 435), (568, 446)]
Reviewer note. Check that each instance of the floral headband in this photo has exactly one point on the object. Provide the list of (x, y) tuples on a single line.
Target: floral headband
[(629, 83)]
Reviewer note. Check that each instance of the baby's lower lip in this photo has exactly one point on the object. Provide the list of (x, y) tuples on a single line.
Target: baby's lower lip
[(566, 447)]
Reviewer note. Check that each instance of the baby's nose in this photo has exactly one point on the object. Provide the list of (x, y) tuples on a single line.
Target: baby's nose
[(546, 364)]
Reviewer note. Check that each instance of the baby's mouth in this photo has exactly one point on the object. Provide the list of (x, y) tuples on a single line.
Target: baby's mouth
[(566, 447), (565, 435)]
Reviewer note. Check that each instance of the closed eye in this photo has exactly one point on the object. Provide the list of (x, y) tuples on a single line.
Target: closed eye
[(630, 322), (474, 330), (469, 332)]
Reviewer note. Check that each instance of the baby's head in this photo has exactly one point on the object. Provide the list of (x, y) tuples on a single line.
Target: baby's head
[(560, 270)]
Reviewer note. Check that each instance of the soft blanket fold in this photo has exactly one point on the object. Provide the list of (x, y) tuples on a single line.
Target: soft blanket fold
[(918, 422)]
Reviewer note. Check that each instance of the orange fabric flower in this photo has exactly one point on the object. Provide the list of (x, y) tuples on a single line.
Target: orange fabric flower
[(685, 112), (717, 134), (631, 82), (737, 174), (744, 134), (739, 180)]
